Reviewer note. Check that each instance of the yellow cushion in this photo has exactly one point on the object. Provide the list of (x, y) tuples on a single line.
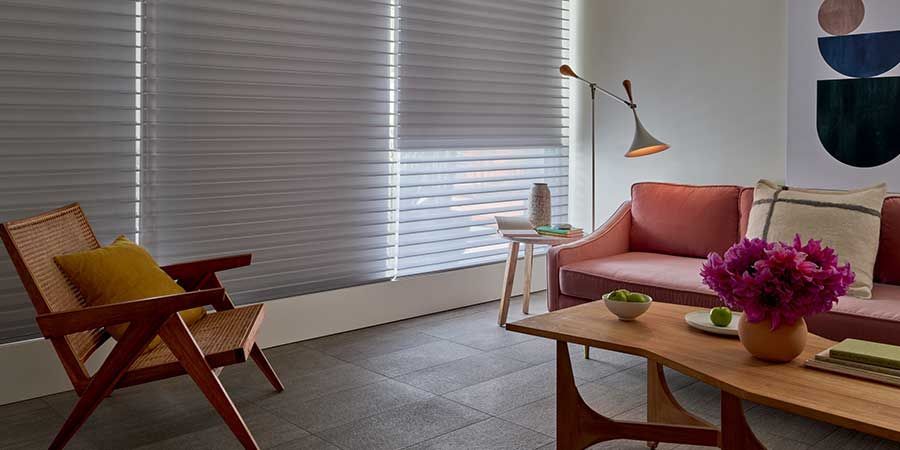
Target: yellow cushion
[(120, 272)]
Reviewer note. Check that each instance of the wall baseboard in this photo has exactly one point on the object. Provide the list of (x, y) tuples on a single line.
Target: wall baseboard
[(31, 368)]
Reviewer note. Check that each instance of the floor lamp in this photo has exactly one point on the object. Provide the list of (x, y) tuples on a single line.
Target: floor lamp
[(644, 144)]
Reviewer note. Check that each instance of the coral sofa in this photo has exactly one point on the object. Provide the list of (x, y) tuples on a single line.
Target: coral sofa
[(657, 242)]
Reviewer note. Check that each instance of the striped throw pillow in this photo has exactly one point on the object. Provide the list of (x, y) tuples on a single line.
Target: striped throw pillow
[(847, 221)]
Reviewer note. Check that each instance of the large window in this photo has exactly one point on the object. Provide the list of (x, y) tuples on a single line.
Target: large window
[(482, 114), (67, 124), (341, 142), (267, 130)]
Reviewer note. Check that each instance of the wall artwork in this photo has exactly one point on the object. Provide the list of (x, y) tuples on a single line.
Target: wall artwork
[(843, 93)]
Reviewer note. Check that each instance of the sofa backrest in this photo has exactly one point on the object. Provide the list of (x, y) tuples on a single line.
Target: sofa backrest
[(887, 265), (684, 220)]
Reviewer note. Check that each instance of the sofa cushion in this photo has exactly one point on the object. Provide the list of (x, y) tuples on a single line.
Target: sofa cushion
[(675, 279), (875, 319), (887, 266), (672, 279), (884, 304), (683, 220)]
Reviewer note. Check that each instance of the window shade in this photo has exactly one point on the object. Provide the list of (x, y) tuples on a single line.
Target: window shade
[(482, 114), (267, 129), (67, 124)]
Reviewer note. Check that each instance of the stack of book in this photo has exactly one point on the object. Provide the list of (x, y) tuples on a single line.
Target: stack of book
[(861, 359), (560, 231)]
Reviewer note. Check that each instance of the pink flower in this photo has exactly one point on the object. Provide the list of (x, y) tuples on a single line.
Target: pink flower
[(779, 281)]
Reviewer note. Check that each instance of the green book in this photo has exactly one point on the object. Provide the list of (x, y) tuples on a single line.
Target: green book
[(559, 231), (824, 356), (866, 352)]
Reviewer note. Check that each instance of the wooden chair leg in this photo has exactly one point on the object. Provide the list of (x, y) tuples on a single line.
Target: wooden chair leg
[(260, 359), (136, 337), (182, 344)]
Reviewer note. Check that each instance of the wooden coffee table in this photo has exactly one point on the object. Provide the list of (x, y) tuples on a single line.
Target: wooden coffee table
[(662, 336)]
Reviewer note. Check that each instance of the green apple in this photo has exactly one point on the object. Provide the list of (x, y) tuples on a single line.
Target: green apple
[(720, 316), (635, 297), (619, 295)]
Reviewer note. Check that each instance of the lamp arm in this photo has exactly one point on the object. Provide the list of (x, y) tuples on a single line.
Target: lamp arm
[(594, 86), (614, 96)]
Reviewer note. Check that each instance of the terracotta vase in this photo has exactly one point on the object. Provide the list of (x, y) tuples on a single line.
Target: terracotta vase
[(782, 345)]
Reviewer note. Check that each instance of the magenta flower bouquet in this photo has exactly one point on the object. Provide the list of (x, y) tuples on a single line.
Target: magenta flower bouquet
[(776, 280)]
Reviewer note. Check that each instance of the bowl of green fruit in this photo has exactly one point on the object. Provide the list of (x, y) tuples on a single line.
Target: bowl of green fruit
[(627, 305)]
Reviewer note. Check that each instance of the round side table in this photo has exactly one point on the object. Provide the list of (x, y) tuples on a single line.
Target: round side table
[(510, 273)]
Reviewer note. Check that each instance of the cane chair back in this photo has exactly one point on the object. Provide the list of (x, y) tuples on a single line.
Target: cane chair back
[(32, 243)]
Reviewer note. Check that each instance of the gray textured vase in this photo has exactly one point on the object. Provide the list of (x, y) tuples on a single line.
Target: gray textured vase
[(539, 205)]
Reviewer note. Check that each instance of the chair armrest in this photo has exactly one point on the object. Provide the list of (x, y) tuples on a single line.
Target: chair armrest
[(59, 324), (198, 269), (610, 239)]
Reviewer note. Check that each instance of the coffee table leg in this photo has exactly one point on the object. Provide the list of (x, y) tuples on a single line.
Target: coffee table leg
[(662, 406), (526, 281), (572, 413), (508, 278), (578, 426), (736, 433)]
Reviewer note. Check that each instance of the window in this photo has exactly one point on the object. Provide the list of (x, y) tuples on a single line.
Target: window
[(67, 124), (266, 130), (340, 142), (482, 115)]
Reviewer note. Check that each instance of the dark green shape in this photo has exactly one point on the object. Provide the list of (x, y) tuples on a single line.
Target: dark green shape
[(858, 120)]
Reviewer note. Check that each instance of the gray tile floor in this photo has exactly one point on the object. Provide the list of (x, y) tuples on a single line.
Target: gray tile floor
[(452, 380)]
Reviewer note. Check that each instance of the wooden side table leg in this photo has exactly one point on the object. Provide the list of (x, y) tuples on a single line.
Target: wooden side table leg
[(526, 281), (508, 278), (736, 433)]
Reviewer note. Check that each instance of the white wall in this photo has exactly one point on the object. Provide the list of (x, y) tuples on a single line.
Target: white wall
[(709, 79)]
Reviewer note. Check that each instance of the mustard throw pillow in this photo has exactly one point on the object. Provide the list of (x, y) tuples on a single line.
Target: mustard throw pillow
[(120, 272)]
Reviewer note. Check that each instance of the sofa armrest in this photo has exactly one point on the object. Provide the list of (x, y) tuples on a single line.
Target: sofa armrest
[(610, 239)]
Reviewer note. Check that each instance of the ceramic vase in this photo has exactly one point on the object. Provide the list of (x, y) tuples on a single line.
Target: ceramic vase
[(539, 205), (782, 345)]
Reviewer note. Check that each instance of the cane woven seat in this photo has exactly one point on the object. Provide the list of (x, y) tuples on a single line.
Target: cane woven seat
[(225, 337)]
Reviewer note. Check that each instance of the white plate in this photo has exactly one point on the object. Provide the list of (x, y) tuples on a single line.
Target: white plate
[(700, 320)]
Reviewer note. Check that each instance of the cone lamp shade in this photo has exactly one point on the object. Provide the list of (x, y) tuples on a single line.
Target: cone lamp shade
[(644, 143)]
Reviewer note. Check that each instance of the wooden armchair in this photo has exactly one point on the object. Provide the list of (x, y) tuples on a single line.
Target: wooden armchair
[(75, 329)]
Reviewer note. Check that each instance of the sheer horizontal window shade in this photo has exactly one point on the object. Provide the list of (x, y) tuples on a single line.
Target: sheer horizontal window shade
[(482, 114), (267, 130), (68, 71)]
